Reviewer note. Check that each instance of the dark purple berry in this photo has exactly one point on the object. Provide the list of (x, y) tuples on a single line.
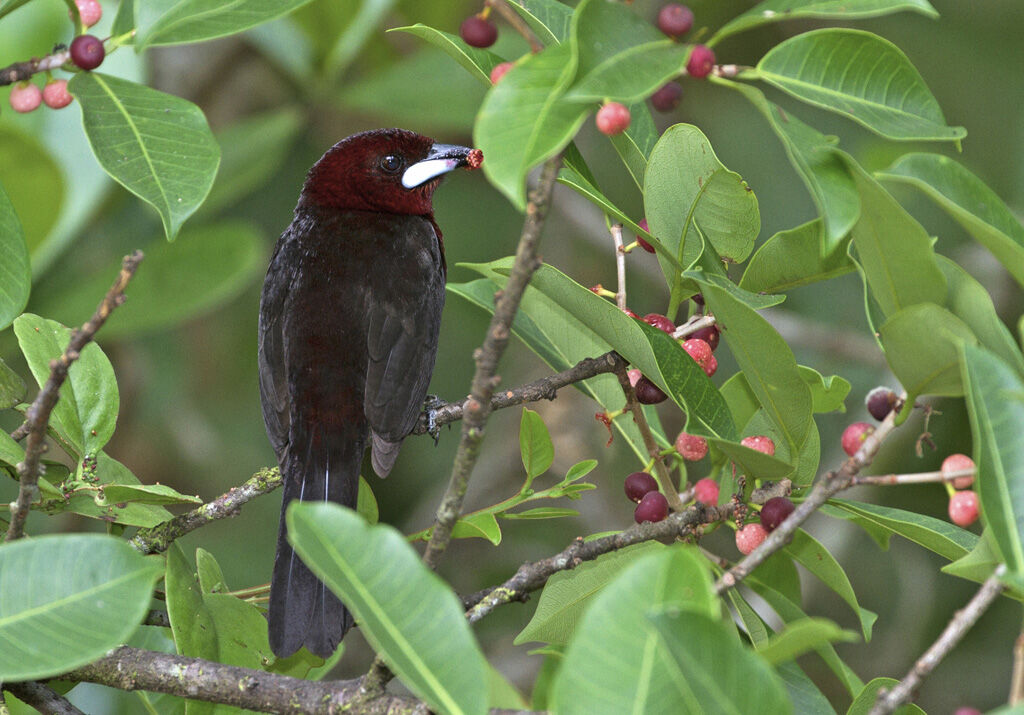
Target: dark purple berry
[(675, 19), (653, 507), (775, 511), (638, 484), (710, 335), (666, 98), (647, 393), (659, 321), (478, 32), (880, 402), (87, 52)]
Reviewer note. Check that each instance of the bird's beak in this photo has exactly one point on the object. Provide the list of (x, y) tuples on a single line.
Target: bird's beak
[(441, 159)]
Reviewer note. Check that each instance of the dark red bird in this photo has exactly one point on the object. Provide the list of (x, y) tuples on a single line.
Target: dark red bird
[(349, 318)]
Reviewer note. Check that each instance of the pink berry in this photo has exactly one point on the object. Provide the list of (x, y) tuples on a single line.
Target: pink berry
[(644, 245), (880, 402), (750, 537), (701, 352), (56, 95), (653, 507), (478, 31), (963, 508), (659, 321), (612, 118), (25, 97), (499, 71), (634, 376), (87, 52), (706, 491), (675, 19), (647, 393), (638, 484), (90, 11), (710, 335), (701, 61), (692, 447), (644, 226), (958, 463), (760, 443), (967, 711), (667, 98), (775, 511), (854, 436)]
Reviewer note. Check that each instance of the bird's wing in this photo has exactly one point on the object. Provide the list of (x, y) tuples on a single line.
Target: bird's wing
[(273, 380)]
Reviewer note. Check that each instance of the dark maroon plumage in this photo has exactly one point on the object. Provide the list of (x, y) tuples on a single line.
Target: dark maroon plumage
[(349, 320)]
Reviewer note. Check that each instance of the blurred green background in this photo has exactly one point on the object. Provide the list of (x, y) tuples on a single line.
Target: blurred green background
[(279, 96)]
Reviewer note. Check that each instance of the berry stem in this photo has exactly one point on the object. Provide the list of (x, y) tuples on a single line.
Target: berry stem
[(620, 265), (915, 478)]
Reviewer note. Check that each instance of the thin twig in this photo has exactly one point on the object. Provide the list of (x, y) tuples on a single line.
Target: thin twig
[(620, 265), (1017, 679), (38, 413), (20, 71), (916, 478), (477, 407), (42, 698), (891, 698)]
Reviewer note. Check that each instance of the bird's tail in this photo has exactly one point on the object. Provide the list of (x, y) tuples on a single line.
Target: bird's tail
[(303, 611)]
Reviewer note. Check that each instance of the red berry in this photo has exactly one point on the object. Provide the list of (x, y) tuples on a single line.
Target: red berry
[(854, 436), (56, 95), (775, 511), (963, 508), (710, 335), (701, 62), (478, 32), (701, 352), (675, 19), (638, 484), (647, 393), (644, 226), (967, 711), (692, 447), (87, 52), (957, 463), (499, 71), (667, 98), (653, 507), (659, 321), (750, 537), (644, 245), (612, 118), (880, 402), (25, 97), (706, 491), (90, 11), (760, 443)]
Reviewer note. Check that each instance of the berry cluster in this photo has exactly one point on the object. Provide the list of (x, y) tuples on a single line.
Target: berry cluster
[(86, 52)]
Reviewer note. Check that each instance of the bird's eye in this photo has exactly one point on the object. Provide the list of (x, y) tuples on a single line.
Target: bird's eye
[(391, 163)]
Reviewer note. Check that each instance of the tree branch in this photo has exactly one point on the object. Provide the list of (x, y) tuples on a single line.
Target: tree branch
[(38, 414), (42, 698)]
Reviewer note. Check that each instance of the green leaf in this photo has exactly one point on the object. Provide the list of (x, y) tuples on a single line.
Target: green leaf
[(791, 259), (542, 512), (714, 671), (805, 696), (15, 274), (34, 185), (947, 540), (866, 699), (804, 635), (11, 453), (385, 585), (579, 470), (979, 563), (686, 187), (12, 387), (211, 576), (534, 445), (157, 146), (826, 68), (752, 462), (480, 526), (86, 412), (922, 345), (143, 494), (479, 62), (550, 20), (995, 405), (568, 593), (635, 145), (199, 20), (86, 592), (766, 361), (524, 119), (828, 394), (967, 199), (822, 171), (617, 662), (362, 25), (813, 556), (769, 11), (894, 250), (366, 502)]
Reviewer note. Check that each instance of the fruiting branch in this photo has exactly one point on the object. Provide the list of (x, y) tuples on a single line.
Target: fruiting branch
[(620, 265)]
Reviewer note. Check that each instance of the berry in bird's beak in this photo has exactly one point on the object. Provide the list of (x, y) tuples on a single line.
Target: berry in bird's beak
[(441, 159)]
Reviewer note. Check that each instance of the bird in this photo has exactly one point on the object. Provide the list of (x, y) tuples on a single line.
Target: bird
[(349, 318)]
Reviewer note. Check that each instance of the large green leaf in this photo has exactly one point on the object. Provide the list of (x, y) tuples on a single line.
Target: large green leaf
[(791, 259), (86, 412), (617, 662), (635, 145), (995, 405), (524, 119), (34, 185), (947, 540), (769, 11), (383, 582), (83, 593), (801, 636), (12, 387), (156, 145), (967, 199), (862, 76), (198, 20), (15, 274), (922, 345), (535, 444), (478, 62), (551, 20)]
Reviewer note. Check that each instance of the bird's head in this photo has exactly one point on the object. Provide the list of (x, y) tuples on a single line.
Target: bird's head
[(388, 170)]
